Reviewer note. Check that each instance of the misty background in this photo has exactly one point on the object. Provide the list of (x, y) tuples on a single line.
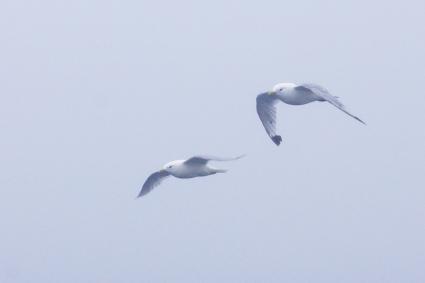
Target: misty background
[(96, 95)]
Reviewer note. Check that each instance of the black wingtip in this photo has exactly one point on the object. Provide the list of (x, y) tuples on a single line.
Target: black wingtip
[(141, 194), (277, 140), (360, 120)]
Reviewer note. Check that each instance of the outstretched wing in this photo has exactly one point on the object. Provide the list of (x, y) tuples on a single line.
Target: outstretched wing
[(324, 93), (266, 109), (153, 181), (203, 159)]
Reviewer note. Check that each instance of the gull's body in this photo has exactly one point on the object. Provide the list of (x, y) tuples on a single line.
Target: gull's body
[(185, 170), (292, 94), (288, 93), (196, 166)]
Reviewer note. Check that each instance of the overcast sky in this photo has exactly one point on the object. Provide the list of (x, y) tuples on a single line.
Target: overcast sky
[(96, 95)]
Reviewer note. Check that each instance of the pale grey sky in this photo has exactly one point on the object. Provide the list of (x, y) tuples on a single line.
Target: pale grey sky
[(96, 95)]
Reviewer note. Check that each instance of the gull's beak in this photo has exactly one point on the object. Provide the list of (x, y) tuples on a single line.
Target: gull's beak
[(270, 92)]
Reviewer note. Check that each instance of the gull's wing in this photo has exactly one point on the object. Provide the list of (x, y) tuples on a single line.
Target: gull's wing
[(324, 93), (266, 109), (203, 159), (153, 181)]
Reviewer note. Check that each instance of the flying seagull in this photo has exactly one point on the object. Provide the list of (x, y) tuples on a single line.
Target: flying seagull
[(294, 95), (196, 166)]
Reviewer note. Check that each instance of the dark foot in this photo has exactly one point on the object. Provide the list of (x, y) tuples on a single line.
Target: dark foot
[(277, 139)]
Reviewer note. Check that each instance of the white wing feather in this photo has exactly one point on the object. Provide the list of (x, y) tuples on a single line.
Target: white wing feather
[(203, 159), (153, 181), (324, 93), (266, 109)]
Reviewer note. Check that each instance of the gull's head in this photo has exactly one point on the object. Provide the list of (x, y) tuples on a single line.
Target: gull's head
[(171, 166), (281, 87)]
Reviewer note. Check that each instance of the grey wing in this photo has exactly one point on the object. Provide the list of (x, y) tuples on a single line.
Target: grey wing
[(153, 181), (266, 109), (325, 95), (203, 159)]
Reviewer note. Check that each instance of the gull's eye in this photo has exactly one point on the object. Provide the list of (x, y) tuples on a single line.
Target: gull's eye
[(281, 89)]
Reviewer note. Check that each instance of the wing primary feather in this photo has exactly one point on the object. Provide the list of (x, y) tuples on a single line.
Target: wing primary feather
[(266, 110), (152, 181), (324, 94), (203, 159)]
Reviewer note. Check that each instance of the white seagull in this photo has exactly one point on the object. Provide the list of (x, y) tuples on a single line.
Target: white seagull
[(294, 95), (196, 166)]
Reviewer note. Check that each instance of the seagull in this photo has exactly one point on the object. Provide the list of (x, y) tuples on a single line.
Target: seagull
[(292, 94), (196, 166)]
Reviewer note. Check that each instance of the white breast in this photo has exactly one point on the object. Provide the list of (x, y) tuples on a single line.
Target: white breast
[(185, 171), (296, 97)]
